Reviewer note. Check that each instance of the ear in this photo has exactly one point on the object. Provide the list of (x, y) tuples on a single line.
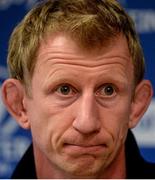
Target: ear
[(13, 97), (140, 103)]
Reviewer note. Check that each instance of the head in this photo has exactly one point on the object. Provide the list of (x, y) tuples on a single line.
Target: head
[(76, 80), (90, 23)]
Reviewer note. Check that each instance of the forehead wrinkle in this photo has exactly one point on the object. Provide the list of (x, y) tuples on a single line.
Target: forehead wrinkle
[(54, 65), (58, 51), (86, 65), (80, 60), (62, 48), (62, 73)]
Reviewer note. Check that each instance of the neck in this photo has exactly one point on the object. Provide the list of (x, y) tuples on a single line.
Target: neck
[(45, 169)]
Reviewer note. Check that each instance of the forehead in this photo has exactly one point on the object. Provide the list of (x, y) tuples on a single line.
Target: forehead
[(63, 43), (61, 49)]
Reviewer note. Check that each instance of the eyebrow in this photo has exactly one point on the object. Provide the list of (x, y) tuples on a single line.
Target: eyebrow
[(69, 78)]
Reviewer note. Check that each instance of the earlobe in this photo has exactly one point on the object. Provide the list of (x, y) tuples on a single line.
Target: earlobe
[(13, 98), (140, 103)]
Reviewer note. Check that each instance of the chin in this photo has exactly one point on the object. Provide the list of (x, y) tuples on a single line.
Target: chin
[(84, 168)]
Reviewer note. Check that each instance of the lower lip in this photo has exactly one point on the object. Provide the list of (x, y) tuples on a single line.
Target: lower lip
[(75, 149)]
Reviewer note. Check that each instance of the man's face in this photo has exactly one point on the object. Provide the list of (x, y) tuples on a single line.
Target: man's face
[(81, 103)]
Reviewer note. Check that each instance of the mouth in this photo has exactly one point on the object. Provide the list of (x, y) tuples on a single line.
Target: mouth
[(84, 149)]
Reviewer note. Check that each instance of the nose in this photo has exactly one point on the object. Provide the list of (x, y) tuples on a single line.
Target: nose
[(87, 119)]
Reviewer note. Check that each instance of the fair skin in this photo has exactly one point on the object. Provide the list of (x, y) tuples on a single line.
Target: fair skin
[(80, 109)]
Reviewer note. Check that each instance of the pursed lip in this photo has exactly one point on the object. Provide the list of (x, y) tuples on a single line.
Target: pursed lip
[(84, 149)]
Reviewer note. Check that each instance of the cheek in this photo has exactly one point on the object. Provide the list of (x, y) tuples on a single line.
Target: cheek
[(48, 124), (117, 122)]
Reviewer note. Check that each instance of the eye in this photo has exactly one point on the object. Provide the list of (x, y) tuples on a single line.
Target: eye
[(65, 89), (107, 90)]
